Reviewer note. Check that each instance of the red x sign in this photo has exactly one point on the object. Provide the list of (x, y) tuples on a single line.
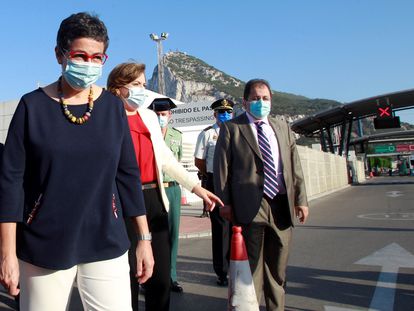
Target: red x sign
[(384, 112)]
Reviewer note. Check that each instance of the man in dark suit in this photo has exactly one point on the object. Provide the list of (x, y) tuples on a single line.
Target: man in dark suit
[(258, 176), (203, 160)]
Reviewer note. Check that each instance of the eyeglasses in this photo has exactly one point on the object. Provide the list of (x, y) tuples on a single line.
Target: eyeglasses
[(79, 56), (224, 110)]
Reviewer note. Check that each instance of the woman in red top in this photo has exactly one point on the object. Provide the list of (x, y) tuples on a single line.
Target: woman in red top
[(154, 158)]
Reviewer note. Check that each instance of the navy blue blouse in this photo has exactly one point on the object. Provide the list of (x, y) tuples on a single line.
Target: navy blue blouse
[(69, 186)]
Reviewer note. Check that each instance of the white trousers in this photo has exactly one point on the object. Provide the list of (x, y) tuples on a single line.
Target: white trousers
[(103, 286)]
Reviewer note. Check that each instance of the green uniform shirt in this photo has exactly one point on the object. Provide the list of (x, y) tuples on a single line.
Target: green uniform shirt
[(173, 139)]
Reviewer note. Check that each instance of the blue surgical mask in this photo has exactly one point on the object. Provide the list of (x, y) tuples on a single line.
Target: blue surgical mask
[(224, 116), (80, 75), (260, 109), (136, 98), (163, 121)]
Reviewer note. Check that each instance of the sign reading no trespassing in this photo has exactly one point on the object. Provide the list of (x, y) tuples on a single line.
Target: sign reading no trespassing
[(192, 114)]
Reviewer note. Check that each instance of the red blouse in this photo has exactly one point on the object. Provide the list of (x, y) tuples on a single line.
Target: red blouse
[(144, 151)]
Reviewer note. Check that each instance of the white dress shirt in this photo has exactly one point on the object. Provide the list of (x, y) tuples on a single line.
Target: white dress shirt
[(274, 146)]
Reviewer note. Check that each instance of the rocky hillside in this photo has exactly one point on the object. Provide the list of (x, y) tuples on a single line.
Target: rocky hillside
[(189, 79)]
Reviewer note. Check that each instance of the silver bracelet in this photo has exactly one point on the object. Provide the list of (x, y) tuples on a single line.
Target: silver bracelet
[(145, 237)]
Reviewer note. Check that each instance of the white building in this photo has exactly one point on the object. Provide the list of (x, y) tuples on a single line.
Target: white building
[(7, 109)]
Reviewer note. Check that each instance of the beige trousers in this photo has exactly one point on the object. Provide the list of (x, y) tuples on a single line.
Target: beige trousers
[(267, 241), (102, 285)]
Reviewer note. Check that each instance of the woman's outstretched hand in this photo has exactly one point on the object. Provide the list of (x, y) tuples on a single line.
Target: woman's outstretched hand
[(208, 197)]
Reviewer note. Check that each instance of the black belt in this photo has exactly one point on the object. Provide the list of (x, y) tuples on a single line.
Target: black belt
[(154, 185)]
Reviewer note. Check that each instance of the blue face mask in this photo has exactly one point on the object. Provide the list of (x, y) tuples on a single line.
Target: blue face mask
[(163, 121), (81, 75), (224, 116), (260, 109), (136, 98)]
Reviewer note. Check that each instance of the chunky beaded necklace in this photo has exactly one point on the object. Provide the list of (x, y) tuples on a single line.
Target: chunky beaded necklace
[(66, 110)]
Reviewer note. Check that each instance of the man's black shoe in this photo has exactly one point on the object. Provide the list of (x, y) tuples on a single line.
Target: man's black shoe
[(204, 214), (175, 287), (222, 281)]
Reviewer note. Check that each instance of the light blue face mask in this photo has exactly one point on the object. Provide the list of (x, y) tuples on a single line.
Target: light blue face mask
[(224, 116), (80, 75), (136, 98), (163, 121), (260, 109)]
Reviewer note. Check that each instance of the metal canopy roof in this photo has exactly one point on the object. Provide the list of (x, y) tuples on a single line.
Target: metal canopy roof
[(405, 135), (355, 110)]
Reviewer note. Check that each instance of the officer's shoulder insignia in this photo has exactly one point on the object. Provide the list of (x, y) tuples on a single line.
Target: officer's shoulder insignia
[(177, 130)]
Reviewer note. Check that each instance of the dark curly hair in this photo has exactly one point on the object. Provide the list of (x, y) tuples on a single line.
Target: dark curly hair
[(81, 25)]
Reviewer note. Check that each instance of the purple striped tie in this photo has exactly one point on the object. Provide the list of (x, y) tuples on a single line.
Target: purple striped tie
[(270, 181)]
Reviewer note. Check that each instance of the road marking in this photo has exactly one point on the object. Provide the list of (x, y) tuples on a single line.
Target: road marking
[(390, 258), (394, 194), (388, 216)]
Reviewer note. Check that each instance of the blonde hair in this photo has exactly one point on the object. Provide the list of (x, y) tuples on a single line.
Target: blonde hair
[(123, 74)]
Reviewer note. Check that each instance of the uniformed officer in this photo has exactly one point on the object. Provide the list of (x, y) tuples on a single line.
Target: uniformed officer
[(204, 153), (173, 139)]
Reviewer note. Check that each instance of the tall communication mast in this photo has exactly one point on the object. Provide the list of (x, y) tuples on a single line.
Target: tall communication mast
[(158, 40)]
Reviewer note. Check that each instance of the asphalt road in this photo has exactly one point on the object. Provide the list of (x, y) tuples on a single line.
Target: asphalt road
[(354, 239), (356, 252)]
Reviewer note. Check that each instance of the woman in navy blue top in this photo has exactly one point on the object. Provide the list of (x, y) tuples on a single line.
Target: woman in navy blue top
[(69, 174)]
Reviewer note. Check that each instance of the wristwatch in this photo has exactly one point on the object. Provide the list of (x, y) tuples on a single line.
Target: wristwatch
[(145, 237)]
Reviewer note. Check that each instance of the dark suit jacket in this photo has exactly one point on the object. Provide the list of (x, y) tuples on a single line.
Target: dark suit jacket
[(238, 168)]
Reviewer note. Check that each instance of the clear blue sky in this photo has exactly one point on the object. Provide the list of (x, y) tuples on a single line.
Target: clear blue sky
[(343, 49)]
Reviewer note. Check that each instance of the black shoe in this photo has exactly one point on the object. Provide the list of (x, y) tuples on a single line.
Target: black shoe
[(204, 214), (175, 287), (222, 281)]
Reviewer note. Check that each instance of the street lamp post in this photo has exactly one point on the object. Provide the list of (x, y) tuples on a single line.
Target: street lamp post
[(158, 40)]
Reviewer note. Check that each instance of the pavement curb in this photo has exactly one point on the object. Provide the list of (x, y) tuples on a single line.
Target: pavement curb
[(193, 235)]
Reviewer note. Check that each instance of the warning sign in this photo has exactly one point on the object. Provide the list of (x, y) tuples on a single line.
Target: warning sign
[(192, 114)]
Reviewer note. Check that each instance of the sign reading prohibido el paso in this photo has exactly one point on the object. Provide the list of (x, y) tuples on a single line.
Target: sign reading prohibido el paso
[(192, 114)]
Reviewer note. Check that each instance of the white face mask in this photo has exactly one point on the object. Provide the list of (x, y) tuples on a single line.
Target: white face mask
[(136, 97), (163, 121), (81, 75)]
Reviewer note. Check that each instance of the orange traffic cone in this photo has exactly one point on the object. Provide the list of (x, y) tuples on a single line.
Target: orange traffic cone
[(242, 296), (371, 174)]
